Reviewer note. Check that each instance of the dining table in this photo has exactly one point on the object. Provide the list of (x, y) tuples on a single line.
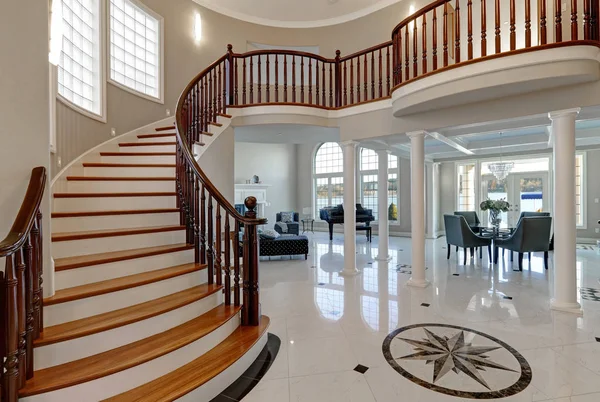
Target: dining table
[(494, 234)]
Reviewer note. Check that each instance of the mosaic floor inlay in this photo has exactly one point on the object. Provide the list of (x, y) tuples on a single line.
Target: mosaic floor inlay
[(590, 294), (483, 367)]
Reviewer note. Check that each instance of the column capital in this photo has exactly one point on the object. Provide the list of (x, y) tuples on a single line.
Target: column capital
[(349, 143), (416, 134), (564, 113)]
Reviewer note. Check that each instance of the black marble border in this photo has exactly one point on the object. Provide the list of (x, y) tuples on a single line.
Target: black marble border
[(522, 383), (257, 370)]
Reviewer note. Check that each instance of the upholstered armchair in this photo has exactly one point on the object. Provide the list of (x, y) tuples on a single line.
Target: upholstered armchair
[(293, 228), (532, 234), (471, 218), (460, 234)]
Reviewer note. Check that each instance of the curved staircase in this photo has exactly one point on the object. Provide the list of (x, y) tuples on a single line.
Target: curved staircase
[(135, 316)]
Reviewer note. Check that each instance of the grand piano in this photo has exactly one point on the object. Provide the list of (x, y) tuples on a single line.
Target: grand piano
[(333, 215)]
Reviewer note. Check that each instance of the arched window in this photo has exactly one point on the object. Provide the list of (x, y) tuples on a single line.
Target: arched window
[(368, 182), (328, 176)]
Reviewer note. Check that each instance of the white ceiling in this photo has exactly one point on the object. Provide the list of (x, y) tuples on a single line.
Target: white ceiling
[(296, 13)]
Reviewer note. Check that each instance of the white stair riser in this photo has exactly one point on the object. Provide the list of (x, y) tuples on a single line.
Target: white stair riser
[(85, 223), (227, 377), (74, 248), (129, 171), (114, 203), (77, 309), (74, 349), (95, 273), (148, 148), (125, 380), (153, 159), (121, 186), (158, 139)]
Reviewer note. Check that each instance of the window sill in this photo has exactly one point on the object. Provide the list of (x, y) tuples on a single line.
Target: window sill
[(81, 110), (132, 91)]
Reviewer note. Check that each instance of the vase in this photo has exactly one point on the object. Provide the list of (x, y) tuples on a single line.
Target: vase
[(495, 218)]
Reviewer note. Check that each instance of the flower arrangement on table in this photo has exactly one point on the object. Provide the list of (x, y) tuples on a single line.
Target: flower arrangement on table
[(495, 207)]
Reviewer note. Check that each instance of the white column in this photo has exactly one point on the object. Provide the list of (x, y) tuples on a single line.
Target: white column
[(417, 206), (349, 148), (565, 233), (382, 205)]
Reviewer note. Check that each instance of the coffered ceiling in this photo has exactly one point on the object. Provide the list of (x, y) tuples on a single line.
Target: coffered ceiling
[(296, 13)]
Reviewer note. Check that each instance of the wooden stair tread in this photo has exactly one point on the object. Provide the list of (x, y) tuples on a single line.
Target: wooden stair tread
[(129, 165), (137, 154), (156, 135), (96, 234), (127, 356), (61, 264), (198, 372), (122, 283), (206, 133), (125, 316), (108, 213), (98, 178), (165, 128), (214, 123), (228, 116), (144, 144), (108, 195), (200, 144)]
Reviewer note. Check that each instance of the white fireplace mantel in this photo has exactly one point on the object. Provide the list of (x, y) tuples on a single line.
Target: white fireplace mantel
[(242, 191)]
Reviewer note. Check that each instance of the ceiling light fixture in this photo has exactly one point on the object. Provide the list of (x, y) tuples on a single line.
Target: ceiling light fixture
[(501, 169)]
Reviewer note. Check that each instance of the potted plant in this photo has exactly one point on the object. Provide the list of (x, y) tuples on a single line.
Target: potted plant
[(495, 207)]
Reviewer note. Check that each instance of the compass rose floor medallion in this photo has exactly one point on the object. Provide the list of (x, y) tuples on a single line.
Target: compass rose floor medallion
[(457, 361)]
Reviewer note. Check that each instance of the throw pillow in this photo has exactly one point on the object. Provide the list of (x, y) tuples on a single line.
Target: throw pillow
[(269, 234), (287, 217)]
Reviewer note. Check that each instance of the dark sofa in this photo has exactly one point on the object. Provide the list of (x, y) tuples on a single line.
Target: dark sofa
[(333, 215)]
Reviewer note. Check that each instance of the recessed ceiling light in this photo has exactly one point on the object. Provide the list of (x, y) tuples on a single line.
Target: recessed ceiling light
[(279, 134)]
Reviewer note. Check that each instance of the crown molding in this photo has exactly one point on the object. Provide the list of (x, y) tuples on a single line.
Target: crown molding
[(297, 24)]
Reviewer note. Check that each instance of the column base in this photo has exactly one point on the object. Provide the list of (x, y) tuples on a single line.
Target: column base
[(418, 283), (572, 308), (348, 273), (383, 258)]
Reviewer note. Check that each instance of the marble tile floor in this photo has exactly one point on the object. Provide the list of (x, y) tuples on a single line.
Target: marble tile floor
[(329, 324)]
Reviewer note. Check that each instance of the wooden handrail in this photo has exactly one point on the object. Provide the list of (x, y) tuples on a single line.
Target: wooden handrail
[(368, 50)]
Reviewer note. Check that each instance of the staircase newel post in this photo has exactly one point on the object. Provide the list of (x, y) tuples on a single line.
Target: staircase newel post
[(229, 77), (251, 308), (338, 79)]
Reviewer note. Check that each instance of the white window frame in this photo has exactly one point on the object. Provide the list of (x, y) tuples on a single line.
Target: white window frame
[(327, 176), (101, 71), (161, 58), (371, 172), (583, 203), (476, 182)]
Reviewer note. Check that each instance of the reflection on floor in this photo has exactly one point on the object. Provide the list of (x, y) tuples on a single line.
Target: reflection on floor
[(330, 325)]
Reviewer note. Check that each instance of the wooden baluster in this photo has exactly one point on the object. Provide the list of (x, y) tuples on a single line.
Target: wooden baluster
[(36, 261), (310, 82), (244, 79), (513, 30), (276, 78), (211, 244), (457, 32), (293, 79), (196, 217), (358, 79), (574, 27), (40, 273), (424, 43), (251, 80), (352, 81), (470, 30), (415, 36), (190, 203), (543, 29), (226, 74), (207, 104), (285, 75), (527, 23), (395, 57), (483, 29), (434, 54), (380, 75), (251, 306), (345, 86), (497, 32), (236, 263), (203, 231), (22, 316), (387, 71), (323, 88), (557, 21), (445, 28), (10, 376), (366, 78), (318, 94), (331, 104), (227, 261), (210, 97), (372, 75), (259, 80), (236, 81), (194, 127), (219, 105), (268, 86), (399, 61), (31, 277), (213, 116), (587, 16), (301, 79), (218, 249)]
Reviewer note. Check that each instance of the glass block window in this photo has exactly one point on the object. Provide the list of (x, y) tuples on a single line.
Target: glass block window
[(79, 68), (135, 59)]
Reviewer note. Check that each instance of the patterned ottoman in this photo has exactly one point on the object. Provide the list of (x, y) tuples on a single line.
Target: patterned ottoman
[(285, 245)]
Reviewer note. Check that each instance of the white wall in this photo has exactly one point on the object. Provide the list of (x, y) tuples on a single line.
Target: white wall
[(274, 164), (24, 115)]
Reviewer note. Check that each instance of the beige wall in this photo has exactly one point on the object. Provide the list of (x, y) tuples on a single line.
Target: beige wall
[(184, 59), (24, 115)]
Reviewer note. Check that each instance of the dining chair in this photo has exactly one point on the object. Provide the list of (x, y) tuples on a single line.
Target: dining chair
[(532, 234), (460, 234)]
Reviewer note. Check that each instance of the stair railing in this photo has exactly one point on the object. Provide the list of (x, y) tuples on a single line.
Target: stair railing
[(21, 292)]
